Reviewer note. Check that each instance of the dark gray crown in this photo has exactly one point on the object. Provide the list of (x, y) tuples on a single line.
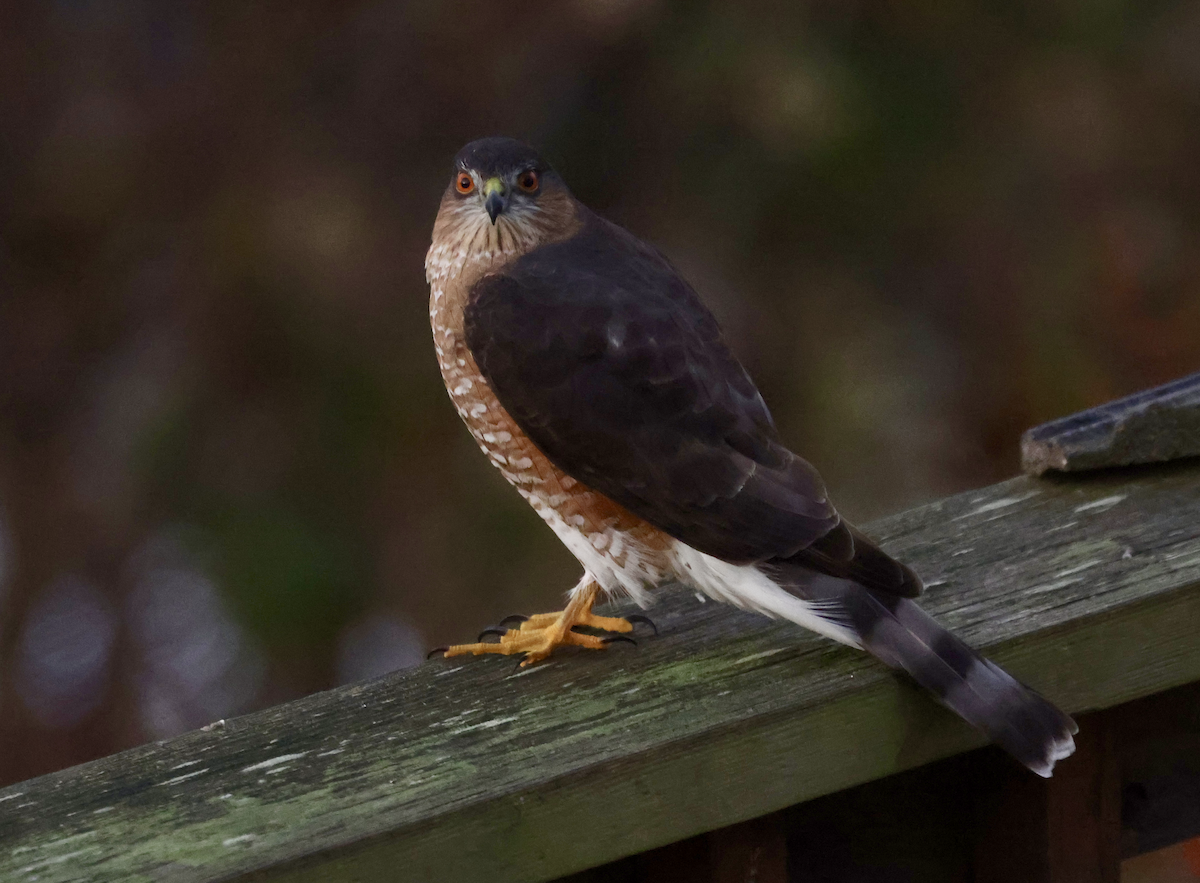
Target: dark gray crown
[(499, 157)]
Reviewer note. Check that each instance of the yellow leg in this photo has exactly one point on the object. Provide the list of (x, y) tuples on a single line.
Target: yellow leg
[(540, 634)]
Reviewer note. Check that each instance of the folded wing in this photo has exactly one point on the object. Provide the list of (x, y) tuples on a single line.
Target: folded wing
[(611, 364)]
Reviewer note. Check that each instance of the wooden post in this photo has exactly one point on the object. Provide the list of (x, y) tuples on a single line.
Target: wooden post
[(1159, 745), (748, 852), (1066, 829), (752, 852)]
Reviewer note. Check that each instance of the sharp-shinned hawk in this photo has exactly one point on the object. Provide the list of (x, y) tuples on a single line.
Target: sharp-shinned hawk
[(593, 377)]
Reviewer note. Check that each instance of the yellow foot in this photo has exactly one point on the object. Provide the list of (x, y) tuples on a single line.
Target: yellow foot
[(540, 621), (540, 634)]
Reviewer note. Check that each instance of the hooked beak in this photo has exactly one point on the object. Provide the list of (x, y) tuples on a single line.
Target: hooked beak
[(494, 197)]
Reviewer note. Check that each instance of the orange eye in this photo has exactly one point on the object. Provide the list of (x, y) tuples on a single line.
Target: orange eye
[(464, 183), (528, 181)]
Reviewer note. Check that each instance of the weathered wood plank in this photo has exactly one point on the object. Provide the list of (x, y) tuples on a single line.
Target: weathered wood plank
[(1085, 589), (1147, 427)]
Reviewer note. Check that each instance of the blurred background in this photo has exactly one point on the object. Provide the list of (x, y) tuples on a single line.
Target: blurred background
[(229, 473)]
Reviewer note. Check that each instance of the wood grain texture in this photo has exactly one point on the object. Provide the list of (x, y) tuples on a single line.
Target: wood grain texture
[(1085, 589), (1151, 426)]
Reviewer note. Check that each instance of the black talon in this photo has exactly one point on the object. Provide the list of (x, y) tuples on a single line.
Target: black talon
[(637, 617), (494, 630), (516, 617), (436, 650), (613, 639)]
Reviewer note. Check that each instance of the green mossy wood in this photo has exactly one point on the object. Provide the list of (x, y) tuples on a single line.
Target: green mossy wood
[(1086, 588)]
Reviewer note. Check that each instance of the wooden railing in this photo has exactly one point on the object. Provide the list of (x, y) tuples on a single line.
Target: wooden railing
[(728, 748)]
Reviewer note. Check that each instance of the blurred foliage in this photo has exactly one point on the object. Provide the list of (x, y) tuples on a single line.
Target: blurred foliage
[(925, 226)]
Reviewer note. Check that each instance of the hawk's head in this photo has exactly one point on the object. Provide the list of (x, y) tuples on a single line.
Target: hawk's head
[(502, 176), (503, 199)]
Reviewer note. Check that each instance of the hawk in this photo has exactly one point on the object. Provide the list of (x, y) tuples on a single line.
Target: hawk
[(597, 382)]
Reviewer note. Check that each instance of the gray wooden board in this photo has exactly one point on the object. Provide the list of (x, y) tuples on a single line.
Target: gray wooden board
[(1150, 426), (467, 769)]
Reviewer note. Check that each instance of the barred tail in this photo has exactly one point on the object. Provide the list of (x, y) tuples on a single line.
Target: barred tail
[(903, 636)]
